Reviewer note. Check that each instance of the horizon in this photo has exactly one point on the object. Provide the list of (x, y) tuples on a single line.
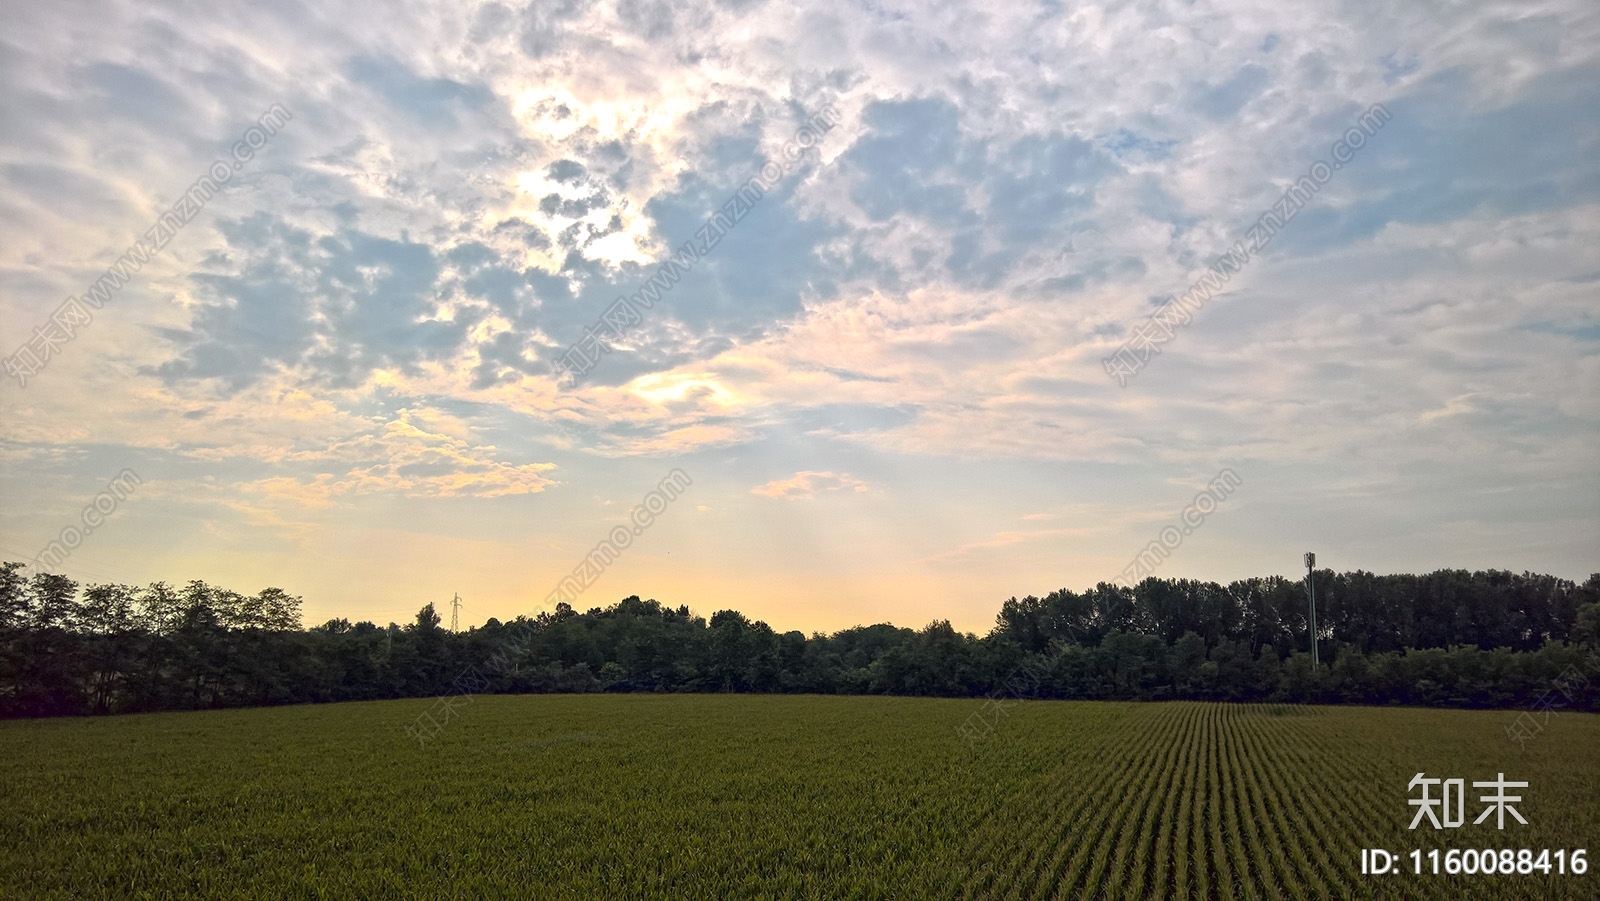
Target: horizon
[(309, 623)]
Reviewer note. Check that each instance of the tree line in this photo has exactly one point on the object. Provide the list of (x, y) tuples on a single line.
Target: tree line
[(1452, 637)]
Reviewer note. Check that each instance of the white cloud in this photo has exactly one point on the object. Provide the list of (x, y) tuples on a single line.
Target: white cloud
[(806, 485), (948, 296)]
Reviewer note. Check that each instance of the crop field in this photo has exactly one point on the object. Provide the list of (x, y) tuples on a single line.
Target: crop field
[(718, 796)]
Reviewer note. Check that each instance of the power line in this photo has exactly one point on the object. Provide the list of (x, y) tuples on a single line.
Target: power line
[(74, 570)]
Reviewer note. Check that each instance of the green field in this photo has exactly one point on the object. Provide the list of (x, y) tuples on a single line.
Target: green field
[(714, 796)]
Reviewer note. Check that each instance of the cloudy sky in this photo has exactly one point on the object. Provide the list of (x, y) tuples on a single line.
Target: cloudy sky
[(886, 380)]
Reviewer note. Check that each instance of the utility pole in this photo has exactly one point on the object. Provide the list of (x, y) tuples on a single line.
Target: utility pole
[(1311, 592), (455, 613)]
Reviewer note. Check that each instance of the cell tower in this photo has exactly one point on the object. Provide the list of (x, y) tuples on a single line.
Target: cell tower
[(455, 613), (1311, 592)]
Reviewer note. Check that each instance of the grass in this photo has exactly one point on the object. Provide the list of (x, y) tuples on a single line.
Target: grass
[(702, 796)]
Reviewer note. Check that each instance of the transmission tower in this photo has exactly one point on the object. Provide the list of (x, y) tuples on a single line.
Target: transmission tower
[(455, 613)]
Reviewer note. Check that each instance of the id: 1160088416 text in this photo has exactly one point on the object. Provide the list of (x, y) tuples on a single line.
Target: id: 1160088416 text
[(1473, 862)]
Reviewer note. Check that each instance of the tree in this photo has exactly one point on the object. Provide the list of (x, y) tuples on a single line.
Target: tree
[(199, 610), (1187, 656), (107, 614), (272, 610), (13, 596), (427, 619), (1587, 630), (53, 602), (730, 653), (117, 648), (1586, 616), (107, 609), (158, 609)]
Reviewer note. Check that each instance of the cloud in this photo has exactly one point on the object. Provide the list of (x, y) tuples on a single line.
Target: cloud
[(464, 189), (336, 307), (1007, 539), (403, 459), (806, 485), (1455, 406)]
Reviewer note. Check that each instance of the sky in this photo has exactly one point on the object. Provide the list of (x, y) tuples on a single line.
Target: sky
[(336, 370)]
